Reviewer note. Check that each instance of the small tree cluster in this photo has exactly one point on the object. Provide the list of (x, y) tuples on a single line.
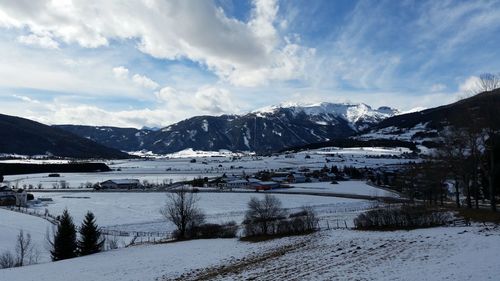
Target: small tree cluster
[(25, 252), (266, 217), (214, 230), (65, 244), (401, 218)]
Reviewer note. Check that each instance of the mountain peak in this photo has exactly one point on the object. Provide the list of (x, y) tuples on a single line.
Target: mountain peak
[(351, 112)]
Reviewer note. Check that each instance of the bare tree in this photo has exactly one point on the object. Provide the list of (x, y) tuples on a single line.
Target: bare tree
[(24, 248), (452, 156), (26, 253), (488, 82), (181, 209), (263, 213), (485, 82)]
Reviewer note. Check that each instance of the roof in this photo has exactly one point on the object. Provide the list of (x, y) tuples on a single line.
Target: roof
[(122, 181), (238, 181), (267, 183)]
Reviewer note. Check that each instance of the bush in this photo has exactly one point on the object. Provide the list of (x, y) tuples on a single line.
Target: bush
[(7, 260), (213, 230), (301, 222), (405, 217)]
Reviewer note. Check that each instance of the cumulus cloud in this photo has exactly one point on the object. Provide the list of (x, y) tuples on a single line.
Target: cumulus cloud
[(40, 41), (244, 53), (172, 106), (213, 100), (205, 100), (144, 81), (469, 85), (120, 72)]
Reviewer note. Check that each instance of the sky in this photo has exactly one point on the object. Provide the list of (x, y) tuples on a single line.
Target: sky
[(155, 62)]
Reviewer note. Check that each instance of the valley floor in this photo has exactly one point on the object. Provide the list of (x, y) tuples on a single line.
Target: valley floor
[(445, 253)]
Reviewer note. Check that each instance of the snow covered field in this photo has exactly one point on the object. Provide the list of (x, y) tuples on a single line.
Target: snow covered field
[(10, 225), (136, 211), (445, 253), (343, 187), (139, 211), (176, 169)]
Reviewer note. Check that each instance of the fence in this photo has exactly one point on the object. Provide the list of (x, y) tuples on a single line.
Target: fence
[(33, 212)]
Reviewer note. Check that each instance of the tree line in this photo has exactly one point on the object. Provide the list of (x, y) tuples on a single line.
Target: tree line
[(467, 158)]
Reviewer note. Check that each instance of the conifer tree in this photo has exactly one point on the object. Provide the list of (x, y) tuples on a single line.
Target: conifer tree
[(91, 240), (64, 242)]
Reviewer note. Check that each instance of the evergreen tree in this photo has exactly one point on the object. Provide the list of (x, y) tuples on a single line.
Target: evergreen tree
[(64, 242), (91, 240)]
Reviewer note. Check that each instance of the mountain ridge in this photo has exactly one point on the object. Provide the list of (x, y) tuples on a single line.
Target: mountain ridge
[(26, 137), (259, 130)]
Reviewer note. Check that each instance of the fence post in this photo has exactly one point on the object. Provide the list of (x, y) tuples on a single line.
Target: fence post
[(345, 223)]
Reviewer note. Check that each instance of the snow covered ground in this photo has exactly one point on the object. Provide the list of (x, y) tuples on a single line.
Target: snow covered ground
[(140, 212), (176, 169), (445, 253), (343, 187), (10, 225), (137, 211), (425, 254)]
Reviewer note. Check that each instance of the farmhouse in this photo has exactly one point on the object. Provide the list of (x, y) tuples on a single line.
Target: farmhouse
[(265, 185), (238, 184), (10, 197), (120, 184), (7, 196), (296, 178)]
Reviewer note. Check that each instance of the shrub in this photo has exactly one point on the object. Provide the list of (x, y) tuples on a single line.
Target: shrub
[(301, 222), (7, 260), (213, 230), (405, 217)]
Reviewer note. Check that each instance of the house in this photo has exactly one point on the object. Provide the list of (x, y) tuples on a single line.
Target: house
[(21, 198), (296, 178), (265, 185), (238, 184), (120, 184), (7, 196), (280, 179)]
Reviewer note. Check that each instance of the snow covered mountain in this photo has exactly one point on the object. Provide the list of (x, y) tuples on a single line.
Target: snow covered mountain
[(268, 129), (479, 111), (359, 116)]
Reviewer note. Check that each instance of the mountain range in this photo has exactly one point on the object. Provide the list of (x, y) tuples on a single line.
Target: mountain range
[(26, 137), (264, 130)]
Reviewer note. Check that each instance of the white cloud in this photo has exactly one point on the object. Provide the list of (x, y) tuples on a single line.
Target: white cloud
[(40, 41), (469, 85), (438, 87), (214, 100), (240, 52), (171, 106), (25, 98), (144, 81), (120, 72), (205, 100)]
